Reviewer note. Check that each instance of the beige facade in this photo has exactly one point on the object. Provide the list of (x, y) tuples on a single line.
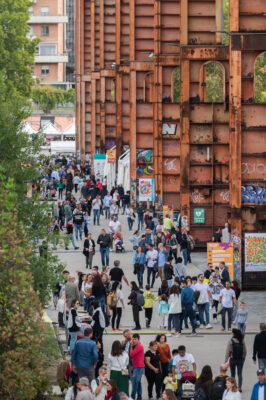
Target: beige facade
[(47, 22)]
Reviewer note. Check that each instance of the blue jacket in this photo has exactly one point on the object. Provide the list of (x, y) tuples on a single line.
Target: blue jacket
[(141, 260), (163, 307), (187, 295), (85, 353), (255, 391)]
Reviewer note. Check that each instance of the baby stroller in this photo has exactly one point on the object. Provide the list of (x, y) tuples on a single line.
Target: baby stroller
[(187, 384), (119, 246)]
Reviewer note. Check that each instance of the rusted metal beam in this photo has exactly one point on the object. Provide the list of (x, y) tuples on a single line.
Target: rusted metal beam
[(92, 34), (133, 124), (250, 42), (219, 20), (102, 34), (205, 53), (118, 31), (93, 117), (102, 115), (119, 115)]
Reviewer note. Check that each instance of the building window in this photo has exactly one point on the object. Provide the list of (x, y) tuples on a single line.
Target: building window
[(47, 50), (31, 11), (260, 79), (44, 11), (45, 31), (212, 81), (45, 70)]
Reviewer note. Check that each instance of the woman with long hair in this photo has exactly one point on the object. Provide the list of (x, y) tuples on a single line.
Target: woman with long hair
[(117, 305), (98, 291), (133, 301), (231, 392), (184, 248), (72, 392), (112, 390), (165, 354), (153, 369), (168, 395), (139, 265), (175, 310), (164, 289), (89, 250), (118, 360), (236, 353), (204, 382)]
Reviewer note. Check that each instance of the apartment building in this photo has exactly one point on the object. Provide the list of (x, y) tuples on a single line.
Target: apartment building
[(48, 21)]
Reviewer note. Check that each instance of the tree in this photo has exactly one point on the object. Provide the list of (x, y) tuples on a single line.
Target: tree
[(23, 351), (176, 85), (214, 83), (48, 97), (260, 79)]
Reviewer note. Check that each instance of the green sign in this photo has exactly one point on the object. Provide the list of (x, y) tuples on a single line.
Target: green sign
[(199, 215)]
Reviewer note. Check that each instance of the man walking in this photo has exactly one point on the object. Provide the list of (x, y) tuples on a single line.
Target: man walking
[(140, 213), (259, 347), (224, 274), (203, 300), (85, 356), (259, 389), (228, 300), (187, 299), (137, 356), (104, 241), (151, 257)]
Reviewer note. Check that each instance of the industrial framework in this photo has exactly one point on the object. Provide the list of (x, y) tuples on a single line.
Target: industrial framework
[(200, 153)]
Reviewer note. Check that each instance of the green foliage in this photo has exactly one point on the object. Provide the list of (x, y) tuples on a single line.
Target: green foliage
[(226, 22), (48, 97), (25, 342), (176, 85), (260, 79), (214, 83)]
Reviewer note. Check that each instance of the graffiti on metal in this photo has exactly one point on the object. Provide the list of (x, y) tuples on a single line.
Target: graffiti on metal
[(225, 196), (251, 194), (145, 162), (251, 168), (196, 197), (170, 165), (169, 129)]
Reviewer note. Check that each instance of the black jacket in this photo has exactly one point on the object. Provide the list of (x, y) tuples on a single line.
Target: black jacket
[(106, 241), (259, 346)]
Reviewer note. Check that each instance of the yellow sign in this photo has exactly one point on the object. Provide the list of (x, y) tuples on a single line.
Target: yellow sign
[(111, 156), (168, 210), (217, 252)]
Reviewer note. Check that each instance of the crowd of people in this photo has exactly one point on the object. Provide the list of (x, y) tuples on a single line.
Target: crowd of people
[(161, 253)]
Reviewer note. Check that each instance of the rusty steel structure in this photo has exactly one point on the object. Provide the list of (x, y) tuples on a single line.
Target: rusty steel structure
[(126, 55)]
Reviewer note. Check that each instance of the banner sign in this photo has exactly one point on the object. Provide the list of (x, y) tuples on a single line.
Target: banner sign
[(255, 252), (98, 165), (111, 156), (168, 210), (146, 189), (217, 252), (199, 215)]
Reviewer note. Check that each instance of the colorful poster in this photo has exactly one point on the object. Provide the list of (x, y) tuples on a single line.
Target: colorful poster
[(98, 165), (255, 252), (145, 162), (111, 156), (168, 210), (146, 190), (217, 252)]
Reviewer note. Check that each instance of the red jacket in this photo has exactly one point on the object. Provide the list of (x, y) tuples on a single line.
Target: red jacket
[(137, 356)]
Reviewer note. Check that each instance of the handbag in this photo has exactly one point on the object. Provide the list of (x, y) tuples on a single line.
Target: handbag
[(201, 299), (85, 252), (124, 371)]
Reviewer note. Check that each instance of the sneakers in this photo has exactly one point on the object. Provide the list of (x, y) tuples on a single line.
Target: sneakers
[(168, 334), (209, 326), (118, 329), (177, 335), (66, 248), (76, 248), (215, 320), (201, 326), (222, 329)]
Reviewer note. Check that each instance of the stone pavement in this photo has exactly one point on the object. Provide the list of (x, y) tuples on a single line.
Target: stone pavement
[(208, 347)]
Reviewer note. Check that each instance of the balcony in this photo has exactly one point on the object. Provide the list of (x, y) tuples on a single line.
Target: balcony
[(51, 59), (48, 19)]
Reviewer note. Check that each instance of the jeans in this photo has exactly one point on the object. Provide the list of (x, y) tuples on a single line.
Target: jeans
[(229, 312), (117, 312), (130, 223), (184, 254), (204, 308), (101, 301), (73, 339), (189, 312), (55, 240), (234, 363), (105, 256), (136, 383), (78, 231), (68, 217), (140, 272), (262, 363), (241, 327), (151, 271), (140, 222), (176, 322), (170, 282), (68, 238), (107, 212), (96, 216)]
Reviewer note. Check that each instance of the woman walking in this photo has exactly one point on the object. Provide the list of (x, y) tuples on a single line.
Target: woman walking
[(153, 370), (203, 384), (117, 303), (118, 360), (184, 248), (175, 310), (139, 261), (165, 355), (135, 307), (172, 244), (89, 250), (236, 353), (231, 392), (98, 291)]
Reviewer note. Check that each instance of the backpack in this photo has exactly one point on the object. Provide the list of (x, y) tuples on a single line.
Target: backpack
[(112, 300), (200, 394), (218, 388), (237, 352), (140, 300)]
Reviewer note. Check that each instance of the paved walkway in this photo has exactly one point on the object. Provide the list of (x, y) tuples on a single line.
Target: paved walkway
[(208, 347)]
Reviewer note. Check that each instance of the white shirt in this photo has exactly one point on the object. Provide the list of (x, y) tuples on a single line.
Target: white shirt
[(114, 209), (261, 393), (119, 296), (129, 212), (76, 180), (183, 364), (101, 395), (175, 304), (203, 287), (117, 363), (96, 204), (215, 290), (229, 395), (227, 297), (107, 201), (152, 255), (115, 225)]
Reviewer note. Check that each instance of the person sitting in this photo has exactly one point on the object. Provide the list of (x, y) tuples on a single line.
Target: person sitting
[(98, 385)]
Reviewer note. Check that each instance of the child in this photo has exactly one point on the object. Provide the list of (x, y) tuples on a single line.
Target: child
[(163, 311), (149, 299), (169, 382), (241, 318), (170, 365)]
